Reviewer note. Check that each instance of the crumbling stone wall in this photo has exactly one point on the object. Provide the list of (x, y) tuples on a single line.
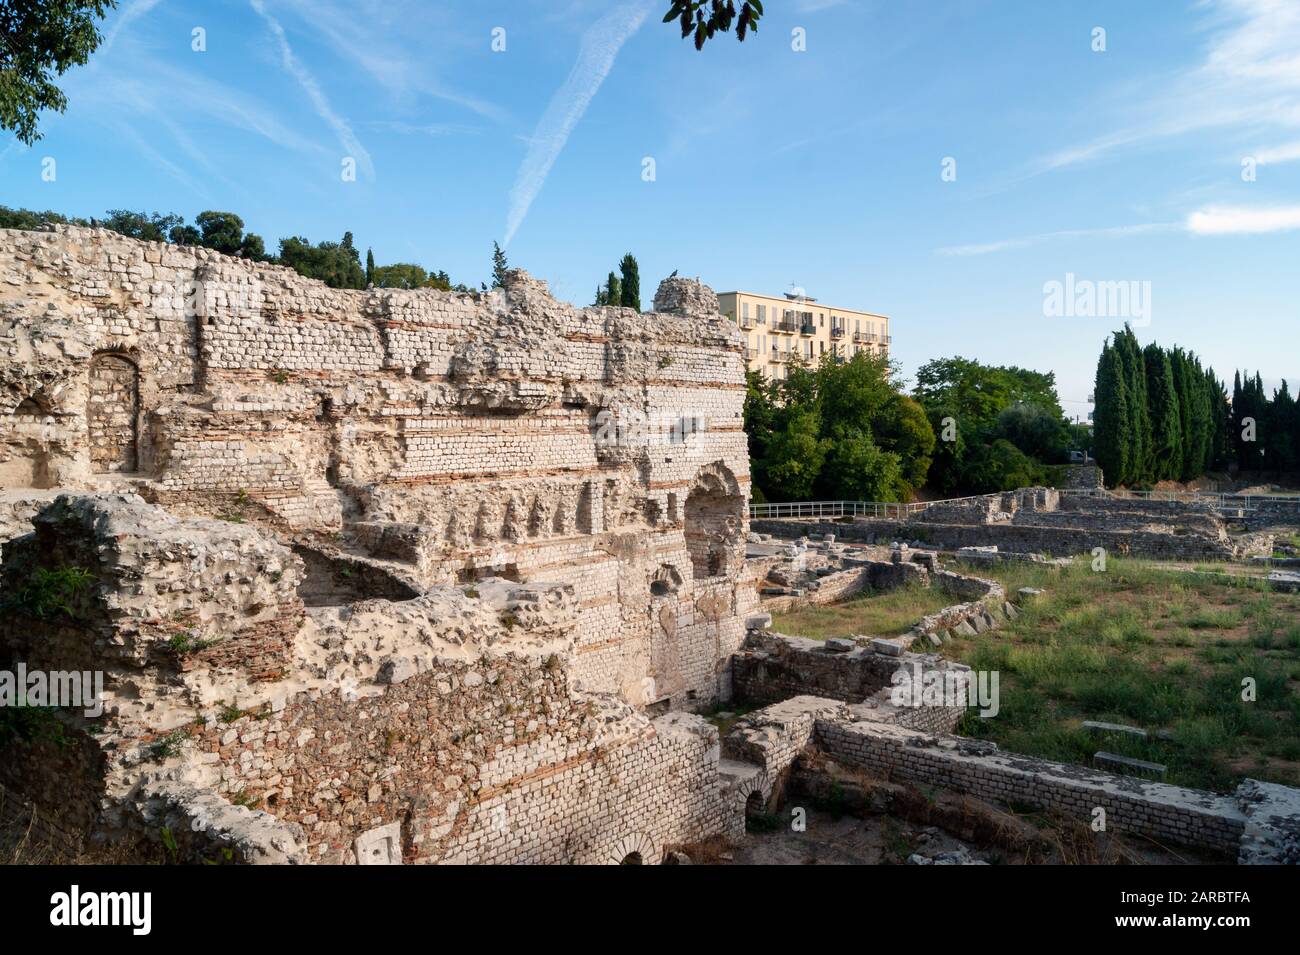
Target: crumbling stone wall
[(445, 727), (458, 435), (1168, 813), (464, 542)]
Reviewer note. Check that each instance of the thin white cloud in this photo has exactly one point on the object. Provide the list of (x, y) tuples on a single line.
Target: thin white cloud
[(153, 89), (1021, 242), (372, 38), (1243, 220), (596, 54), (130, 12), (426, 129), (161, 161), (294, 67), (1248, 79), (1289, 152)]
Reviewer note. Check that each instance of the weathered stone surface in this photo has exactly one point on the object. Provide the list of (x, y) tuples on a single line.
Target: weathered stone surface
[(360, 529), (1099, 728), (1127, 764)]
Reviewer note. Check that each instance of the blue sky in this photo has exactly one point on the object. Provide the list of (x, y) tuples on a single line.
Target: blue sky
[(819, 167)]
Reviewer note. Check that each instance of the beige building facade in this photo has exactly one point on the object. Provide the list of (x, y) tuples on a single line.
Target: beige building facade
[(780, 330)]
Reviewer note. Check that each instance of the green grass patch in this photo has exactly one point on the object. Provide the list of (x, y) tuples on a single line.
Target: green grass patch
[(879, 615), (1139, 645)]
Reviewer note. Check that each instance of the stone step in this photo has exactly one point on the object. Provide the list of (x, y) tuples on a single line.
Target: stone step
[(1098, 727), (1128, 765)]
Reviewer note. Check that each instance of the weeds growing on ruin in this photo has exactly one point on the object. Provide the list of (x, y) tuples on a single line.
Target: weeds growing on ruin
[(32, 724), (169, 745), (49, 592)]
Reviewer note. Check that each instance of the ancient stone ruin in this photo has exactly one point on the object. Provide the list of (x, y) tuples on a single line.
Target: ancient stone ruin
[(373, 575), (384, 577), (1045, 520)]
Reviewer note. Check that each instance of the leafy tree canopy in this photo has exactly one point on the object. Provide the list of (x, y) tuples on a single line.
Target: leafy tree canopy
[(39, 40)]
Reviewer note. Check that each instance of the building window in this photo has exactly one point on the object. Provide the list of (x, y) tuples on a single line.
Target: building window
[(762, 314), (744, 310)]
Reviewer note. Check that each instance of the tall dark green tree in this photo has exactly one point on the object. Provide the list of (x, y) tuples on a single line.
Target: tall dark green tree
[(630, 290), (499, 266), (370, 267), (1163, 414), (613, 291), (1139, 457), (1111, 420)]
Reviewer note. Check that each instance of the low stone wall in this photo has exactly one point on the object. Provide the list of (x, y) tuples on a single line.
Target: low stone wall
[(1161, 811), (873, 575), (774, 667), (1126, 520), (776, 735), (1014, 537), (1263, 513)]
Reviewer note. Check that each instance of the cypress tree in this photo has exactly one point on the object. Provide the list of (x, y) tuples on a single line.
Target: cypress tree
[(1110, 417), (631, 289), (499, 266), (1220, 421), (613, 291), (1141, 459), (370, 267), (1162, 410), (1238, 400)]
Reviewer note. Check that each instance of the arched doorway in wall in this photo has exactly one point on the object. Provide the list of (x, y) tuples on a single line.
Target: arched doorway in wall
[(26, 436), (112, 413), (713, 521)]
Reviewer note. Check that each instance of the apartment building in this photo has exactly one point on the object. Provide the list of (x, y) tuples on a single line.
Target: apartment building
[(780, 329)]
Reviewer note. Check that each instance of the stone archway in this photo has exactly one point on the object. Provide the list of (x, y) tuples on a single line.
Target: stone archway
[(635, 848), (112, 413), (714, 521)]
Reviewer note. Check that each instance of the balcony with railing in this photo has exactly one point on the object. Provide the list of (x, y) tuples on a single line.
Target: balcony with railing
[(862, 338), (746, 322), (807, 329), (781, 356), (837, 331), (786, 325)]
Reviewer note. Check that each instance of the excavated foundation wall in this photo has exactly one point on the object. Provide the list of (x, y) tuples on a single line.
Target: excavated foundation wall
[(1044, 520), (1168, 813), (1056, 541)]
